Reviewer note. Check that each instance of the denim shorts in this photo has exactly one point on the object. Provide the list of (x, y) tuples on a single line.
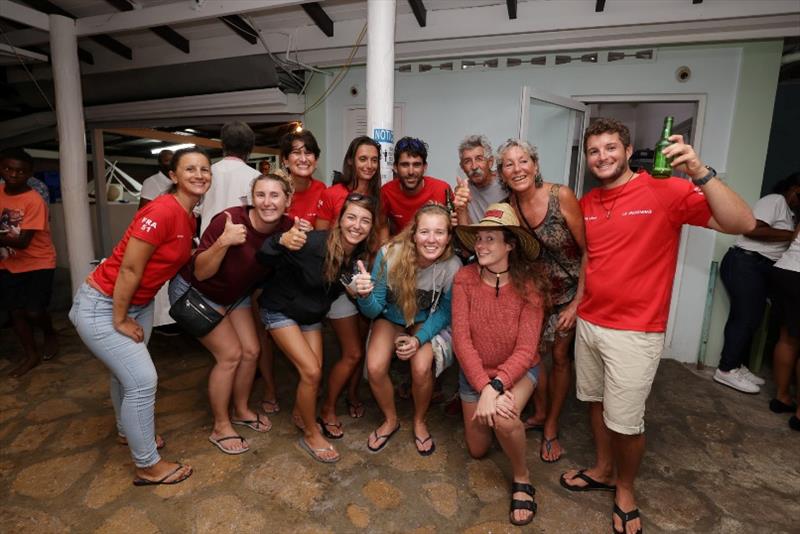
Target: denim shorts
[(274, 319), (468, 394), (178, 286)]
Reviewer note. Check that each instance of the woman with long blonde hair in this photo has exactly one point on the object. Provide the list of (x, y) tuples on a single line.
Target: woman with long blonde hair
[(410, 303)]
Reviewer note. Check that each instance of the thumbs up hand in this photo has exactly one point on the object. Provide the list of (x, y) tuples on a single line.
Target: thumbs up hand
[(233, 234), (363, 280), (295, 237), (461, 195)]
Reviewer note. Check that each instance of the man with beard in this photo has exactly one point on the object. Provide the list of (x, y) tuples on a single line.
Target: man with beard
[(475, 159), (633, 225), (159, 183), (411, 189)]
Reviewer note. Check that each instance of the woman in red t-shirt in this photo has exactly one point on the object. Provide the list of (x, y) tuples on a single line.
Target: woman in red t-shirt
[(360, 175), (300, 155), (225, 271), (497, 318), (113, 310)]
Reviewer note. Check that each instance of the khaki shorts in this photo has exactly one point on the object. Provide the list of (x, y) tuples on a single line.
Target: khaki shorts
[(617, 368)]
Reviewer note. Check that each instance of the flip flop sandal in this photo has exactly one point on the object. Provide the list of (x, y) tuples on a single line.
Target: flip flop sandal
[(122, 440), (384, 437), (548, 445), (144, 482), (218, 444), (327, 433), (536, 427), (591, 484), (355, 409), (254, 424), (625, 517), (517, 504), (270, 407), (314, 452), (423, 442)]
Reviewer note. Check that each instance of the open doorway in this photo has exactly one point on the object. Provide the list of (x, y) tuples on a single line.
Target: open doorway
[(645, 121)]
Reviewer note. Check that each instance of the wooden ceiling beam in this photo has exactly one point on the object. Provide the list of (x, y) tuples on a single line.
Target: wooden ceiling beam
[(241, 27), (320, 18), (419, 12), (511, 5), (599, 6), (165, 32), (110, 43)]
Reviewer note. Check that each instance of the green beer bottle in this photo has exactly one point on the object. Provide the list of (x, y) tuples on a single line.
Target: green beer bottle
[(661, 163)]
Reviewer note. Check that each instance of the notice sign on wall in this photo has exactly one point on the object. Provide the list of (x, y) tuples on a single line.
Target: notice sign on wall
[(385, 137)]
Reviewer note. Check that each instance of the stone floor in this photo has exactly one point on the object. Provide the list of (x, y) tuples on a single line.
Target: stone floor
[(717, 461)]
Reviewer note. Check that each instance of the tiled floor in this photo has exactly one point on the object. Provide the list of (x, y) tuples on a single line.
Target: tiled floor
[(717, 461)]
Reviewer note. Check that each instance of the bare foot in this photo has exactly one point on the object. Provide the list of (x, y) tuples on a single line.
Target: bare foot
[(322, 449), (270, 406), (551, 449), (173, 472), (626, 504), (534, 423)]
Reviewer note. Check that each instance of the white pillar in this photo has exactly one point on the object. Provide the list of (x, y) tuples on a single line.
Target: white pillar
[(71, 146), (380, 80)]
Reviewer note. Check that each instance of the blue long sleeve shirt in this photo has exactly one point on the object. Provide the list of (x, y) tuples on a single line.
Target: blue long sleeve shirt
[(434, 291)]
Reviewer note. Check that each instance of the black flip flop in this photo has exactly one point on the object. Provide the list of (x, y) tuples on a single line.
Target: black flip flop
[(144, 482), (626, 517), (254, 424), (422, 442), (385, 438), (327, 433), (591, 484)]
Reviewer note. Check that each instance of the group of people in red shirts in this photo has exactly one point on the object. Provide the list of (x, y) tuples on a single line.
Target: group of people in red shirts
[(544, 272)]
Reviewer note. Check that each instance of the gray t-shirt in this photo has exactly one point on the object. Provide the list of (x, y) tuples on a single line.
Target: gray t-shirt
[(482, 198)]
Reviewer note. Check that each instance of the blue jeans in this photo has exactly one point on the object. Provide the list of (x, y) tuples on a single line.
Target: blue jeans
[(133, 375), (745, 275)]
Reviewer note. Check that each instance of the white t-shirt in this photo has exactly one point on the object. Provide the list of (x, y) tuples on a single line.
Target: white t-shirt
[(230, 181), (480, 199), (773, 210), (791, 258), (155, 185)]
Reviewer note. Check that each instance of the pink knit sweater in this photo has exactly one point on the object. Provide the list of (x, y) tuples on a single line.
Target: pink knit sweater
[(494, 336)]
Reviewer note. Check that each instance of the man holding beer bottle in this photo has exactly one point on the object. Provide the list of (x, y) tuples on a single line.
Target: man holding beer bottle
[(633, 225)]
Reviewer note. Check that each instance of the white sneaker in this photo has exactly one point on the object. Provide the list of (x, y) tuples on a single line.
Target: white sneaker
[(748, 374), (735, 379)]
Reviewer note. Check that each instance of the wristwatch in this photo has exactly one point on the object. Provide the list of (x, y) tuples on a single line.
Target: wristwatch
[(497, 385), (704, 180)]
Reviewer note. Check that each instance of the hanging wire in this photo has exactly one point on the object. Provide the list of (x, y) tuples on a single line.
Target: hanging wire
[(340, 75), (24, 66)]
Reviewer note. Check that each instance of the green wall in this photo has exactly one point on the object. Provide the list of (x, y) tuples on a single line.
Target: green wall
[(314, 120), (747, 152)]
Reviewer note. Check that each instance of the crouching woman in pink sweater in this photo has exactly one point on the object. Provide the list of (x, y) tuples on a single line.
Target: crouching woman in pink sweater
[(497, 318)]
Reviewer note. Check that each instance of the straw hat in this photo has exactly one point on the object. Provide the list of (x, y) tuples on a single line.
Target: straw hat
[(498, 216)]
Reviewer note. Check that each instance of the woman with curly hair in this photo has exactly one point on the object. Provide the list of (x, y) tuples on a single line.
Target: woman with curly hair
[(410, 303), (311, 270), (550, 212), (498, 307)]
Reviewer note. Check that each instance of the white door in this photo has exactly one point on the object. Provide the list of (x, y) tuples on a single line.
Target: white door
[(555, 125)]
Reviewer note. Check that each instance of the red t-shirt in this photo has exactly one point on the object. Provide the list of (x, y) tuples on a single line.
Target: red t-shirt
[(164, 224), (305, 203), (632, 253), (331, 201), (26, 211), (239, 270), (400, 207)]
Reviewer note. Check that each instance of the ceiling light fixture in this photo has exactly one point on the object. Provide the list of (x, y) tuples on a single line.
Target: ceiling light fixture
[(155, 151)]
